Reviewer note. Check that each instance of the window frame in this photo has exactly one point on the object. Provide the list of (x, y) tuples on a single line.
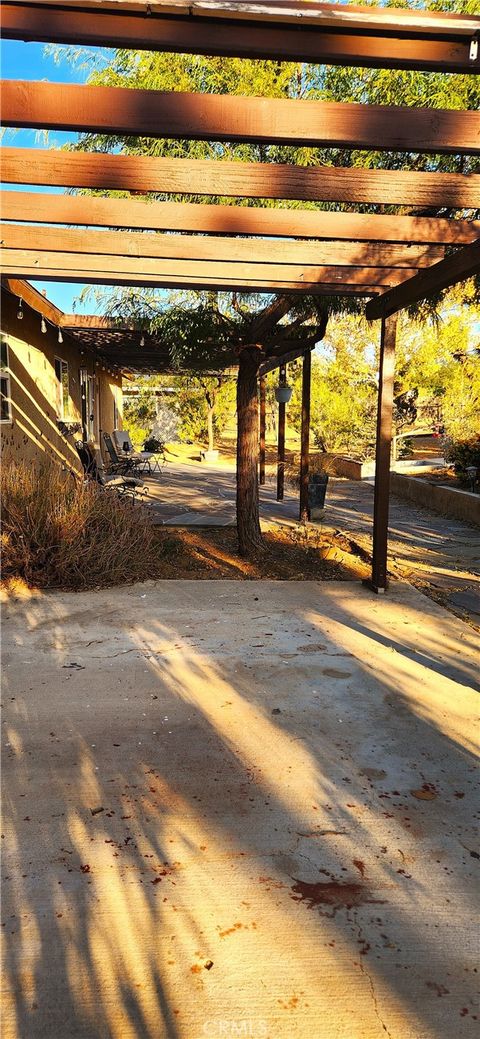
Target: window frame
[(5, 374), (62, 405)]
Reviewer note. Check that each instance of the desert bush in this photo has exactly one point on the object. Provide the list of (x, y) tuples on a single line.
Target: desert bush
[(58, 533), (463, 454)]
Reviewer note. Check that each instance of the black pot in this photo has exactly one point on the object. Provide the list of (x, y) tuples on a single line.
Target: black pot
[(317, 488)]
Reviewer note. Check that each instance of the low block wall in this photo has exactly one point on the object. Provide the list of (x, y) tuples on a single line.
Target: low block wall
[(351, 468), (448, 501)]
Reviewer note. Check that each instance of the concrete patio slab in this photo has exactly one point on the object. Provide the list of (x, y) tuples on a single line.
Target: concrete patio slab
[(238, 809)]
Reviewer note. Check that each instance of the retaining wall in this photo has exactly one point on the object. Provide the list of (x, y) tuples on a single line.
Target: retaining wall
[(448, 501)]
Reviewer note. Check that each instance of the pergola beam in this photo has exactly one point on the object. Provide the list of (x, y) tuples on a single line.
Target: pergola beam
[(193, 248), (321, 34), (219, 284), (73, 266), (81, 210), (223, 117), (141, 173), (462, 265)]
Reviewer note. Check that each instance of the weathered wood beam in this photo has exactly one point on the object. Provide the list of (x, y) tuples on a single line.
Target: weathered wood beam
[(192, 247), (33, 298), (98, 321), (304, 509), (461, 265), (275, 362), (319, 35), (262, 428), (274, 273), (238, 179), (225, 284), (282, 379), (81, 210), (224, 117), (382, 455), (266, 320), (355, 18)]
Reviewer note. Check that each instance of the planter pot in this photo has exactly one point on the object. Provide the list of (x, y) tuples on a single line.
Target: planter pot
[(317, 488), (283, 394)]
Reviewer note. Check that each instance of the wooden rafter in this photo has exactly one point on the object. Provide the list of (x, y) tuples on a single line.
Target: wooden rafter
[(223, 117), (141, 173), (176, 281), (319, 33), (69, 264), (193, 248), (81, 210), (33, 298), (462, 265)]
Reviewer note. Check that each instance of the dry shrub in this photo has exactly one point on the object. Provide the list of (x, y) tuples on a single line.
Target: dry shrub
[(318, 463), (58, 533)]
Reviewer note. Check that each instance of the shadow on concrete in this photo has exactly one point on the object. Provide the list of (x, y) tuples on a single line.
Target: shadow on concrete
[(253, 753)]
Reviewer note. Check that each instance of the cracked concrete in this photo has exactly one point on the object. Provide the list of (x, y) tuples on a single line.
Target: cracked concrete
[(211, 831)]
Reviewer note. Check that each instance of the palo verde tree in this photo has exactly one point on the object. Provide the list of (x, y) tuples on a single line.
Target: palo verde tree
[(203, 402)]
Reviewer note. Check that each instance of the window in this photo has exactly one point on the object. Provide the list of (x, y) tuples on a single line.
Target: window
[(62, 388), (116, 411), (5, 393)]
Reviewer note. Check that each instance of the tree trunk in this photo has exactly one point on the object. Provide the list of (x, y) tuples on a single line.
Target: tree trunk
[(305, 436), (261, 453), (210, 411), (248, 521)]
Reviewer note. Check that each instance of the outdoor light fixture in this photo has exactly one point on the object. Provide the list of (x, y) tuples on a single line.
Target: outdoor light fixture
[(60, 336), (43, 325), (20, 310), (142, 341)]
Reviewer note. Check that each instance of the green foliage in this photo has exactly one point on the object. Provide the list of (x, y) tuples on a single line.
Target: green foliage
[(198, 394), (139, 414), (463, 454), (441, 363), (343, 398)]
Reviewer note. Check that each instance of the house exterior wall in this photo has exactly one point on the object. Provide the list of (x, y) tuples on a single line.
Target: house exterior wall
[(37, 399)]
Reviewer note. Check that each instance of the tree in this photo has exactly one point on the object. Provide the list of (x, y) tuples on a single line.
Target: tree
[(204, 402), (343, 388)]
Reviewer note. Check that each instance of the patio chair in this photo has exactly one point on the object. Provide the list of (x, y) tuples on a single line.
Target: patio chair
[(118, 464), (124, 485), (149, 459)]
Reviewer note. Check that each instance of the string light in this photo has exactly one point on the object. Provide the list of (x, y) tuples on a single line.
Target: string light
[(60, 336), (20, 310), (43, 325)]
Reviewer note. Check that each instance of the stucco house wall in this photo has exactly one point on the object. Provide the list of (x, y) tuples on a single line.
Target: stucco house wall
[(37, 400)]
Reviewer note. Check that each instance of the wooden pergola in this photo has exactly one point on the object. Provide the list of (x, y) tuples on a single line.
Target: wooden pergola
[(396, 260)]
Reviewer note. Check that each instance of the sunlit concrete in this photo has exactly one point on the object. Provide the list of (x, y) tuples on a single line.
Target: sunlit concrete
[(181, 760)]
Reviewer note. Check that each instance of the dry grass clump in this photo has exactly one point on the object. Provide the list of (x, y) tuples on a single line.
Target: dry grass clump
[(57, 533)]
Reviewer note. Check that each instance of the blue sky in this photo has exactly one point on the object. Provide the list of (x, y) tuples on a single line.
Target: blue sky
[(31, 61)]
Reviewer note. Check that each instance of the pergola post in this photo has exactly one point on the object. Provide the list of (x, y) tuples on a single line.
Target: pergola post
[(305, 436), (382, 454), (281, 437), (261, 454)]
